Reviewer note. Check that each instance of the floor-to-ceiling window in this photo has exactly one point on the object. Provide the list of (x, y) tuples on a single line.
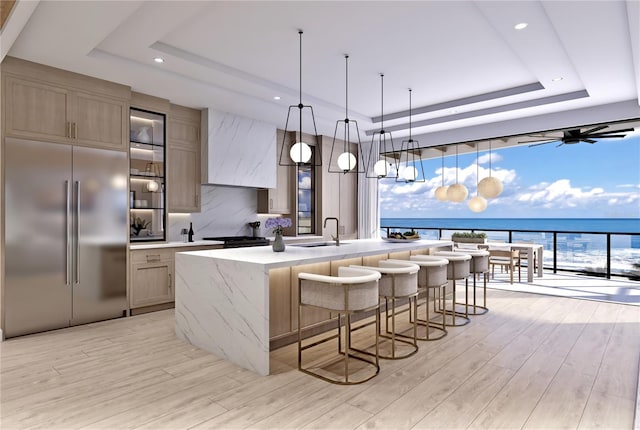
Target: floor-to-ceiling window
[(306, 206)]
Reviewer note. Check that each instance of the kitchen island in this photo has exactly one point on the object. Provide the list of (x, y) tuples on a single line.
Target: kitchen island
[(222, 296)]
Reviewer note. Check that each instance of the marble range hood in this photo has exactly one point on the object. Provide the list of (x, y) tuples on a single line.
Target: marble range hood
[(237, 151)]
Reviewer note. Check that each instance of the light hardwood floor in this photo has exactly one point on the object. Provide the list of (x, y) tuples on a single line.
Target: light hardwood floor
[(534, 362)]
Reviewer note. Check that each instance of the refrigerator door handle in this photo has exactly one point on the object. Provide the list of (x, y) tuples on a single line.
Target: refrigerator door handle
[(67, 230), (77, 238)]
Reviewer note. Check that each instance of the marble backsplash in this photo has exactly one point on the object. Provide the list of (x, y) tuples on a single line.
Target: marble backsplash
[(225, 212)]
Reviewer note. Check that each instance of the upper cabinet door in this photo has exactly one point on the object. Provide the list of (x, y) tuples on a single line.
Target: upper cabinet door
[(53, 105), (183, 159), (36, 110), (100, 121)]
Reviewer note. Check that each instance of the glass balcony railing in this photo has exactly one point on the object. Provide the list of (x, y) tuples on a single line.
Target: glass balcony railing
[(596, 254)]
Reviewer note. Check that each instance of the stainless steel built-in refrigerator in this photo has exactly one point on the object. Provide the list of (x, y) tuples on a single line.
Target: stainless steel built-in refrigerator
[(65, 235)]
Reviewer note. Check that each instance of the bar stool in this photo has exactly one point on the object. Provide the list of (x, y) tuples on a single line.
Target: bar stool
[(399, 280), (479, 265), (458, 268), (353, 291), (432, 276)]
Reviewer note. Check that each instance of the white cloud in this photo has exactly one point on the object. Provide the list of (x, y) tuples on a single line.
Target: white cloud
[(305, 182), (494, 157)]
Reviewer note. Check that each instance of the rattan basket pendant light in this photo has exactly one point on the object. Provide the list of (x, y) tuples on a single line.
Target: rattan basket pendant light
[(410, 155), (301, 152), (441, 191), (346, 162), (490, 187), (381, 141), (477, 203), (457, 192)]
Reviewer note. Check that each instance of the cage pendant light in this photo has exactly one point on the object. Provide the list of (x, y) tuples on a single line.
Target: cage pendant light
[(441, 191), (457, 192), (383, 162), (343, 160), (490, 187), (477, 203), (410, 157), (301, 152)]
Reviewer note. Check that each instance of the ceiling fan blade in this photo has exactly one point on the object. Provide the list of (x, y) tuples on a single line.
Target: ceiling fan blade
[(543, 143), (624, 130), (538, 140), (589, 140), (606, 136), (561, 143), (598, 128)]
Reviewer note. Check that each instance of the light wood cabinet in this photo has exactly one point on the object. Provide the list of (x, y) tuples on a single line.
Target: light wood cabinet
[(183, 160), (280, 306), (279, 200), (42, 110), (339, 195), (152, 277)]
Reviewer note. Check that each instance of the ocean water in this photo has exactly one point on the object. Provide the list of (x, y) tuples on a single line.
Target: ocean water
[(580, 244), (594, 225)]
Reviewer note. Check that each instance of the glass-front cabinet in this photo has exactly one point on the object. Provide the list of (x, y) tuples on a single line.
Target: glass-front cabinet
[(147, 175)]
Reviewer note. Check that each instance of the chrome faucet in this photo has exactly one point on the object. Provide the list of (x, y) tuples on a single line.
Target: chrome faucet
[(337, 236)]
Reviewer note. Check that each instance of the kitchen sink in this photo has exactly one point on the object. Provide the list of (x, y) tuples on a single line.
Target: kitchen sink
[(316, 244)]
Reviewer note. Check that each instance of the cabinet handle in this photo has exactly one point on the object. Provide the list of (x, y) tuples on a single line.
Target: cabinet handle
[(75, 130), (169, 280), (151, 258), (270, 203), (68, 129)]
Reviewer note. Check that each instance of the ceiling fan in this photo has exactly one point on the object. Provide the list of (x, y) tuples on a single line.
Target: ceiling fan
[(576, 135)]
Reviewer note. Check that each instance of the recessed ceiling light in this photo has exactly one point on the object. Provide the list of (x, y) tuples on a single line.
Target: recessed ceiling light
[(158, 60), (520, 26), (276, 97), (557, 78)]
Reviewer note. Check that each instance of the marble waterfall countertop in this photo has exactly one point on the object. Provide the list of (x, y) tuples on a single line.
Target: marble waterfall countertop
[(222, 296), (295, 255)]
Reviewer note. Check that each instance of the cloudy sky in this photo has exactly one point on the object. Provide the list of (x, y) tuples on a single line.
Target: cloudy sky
[(545, 181)]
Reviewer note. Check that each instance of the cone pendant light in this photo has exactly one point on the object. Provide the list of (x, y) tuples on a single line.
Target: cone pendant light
[(410, 151), (382, 148), (301, 152), (346, 162)]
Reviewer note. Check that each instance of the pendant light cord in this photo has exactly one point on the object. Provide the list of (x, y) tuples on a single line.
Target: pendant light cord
[(442, 168), (410, 139), (300, 69), (346, 87), (300, 105), (477, 166), (381, 103), (490, 157), (456, 164)]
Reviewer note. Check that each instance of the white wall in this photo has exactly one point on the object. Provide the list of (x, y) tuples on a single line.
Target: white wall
[(225, 212)]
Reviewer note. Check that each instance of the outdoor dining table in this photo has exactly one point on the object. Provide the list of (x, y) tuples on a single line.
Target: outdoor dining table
[(526, 249)]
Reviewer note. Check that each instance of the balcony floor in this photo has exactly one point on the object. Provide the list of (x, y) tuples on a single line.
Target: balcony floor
[(572, 285)]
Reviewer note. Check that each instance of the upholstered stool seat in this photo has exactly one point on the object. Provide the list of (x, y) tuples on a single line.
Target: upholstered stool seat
[(459, 268), (479, 265), (399, 280), (352, 291), (432, 277)]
